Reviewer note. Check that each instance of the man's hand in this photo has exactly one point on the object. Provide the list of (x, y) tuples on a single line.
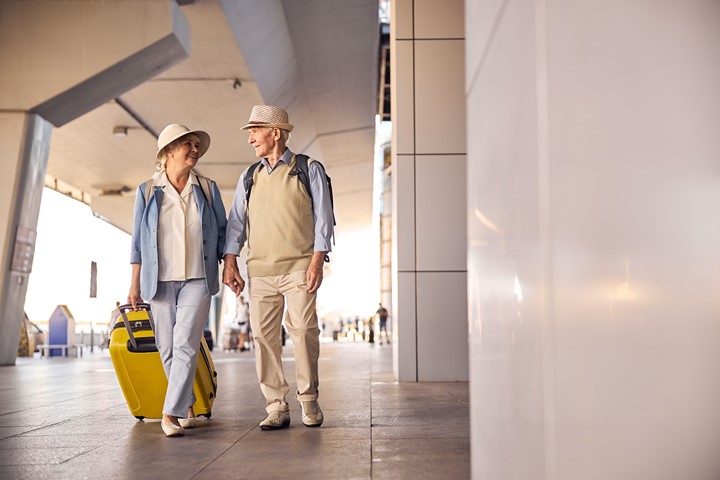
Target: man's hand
[(231, 274), (314, 275)]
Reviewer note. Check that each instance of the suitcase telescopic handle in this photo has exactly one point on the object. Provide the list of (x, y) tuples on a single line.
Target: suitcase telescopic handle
[(128, 308)]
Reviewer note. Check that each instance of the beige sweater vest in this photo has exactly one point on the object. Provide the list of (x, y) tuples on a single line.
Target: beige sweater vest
[(281, 229)]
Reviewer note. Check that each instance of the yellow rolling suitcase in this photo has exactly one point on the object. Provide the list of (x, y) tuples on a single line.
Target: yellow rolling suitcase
[(140, 372)]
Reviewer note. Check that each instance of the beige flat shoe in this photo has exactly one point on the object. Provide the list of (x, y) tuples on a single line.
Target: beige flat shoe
[(188, 422), (172, 430)]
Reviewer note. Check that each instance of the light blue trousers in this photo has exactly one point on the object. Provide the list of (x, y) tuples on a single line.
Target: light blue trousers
[(181, 312)]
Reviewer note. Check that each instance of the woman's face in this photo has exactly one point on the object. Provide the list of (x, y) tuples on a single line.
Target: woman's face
[(184, 152)]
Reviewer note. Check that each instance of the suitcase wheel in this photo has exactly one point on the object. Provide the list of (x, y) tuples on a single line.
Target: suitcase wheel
[(140, 418)]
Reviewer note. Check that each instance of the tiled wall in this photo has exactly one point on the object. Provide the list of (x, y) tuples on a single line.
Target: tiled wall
[(429, 184), (594, 239)]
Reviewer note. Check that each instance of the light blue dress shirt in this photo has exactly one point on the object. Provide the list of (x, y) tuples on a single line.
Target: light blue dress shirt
[(322, 209)]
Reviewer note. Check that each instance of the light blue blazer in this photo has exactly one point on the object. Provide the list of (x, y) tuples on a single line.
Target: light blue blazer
[(144, 249)]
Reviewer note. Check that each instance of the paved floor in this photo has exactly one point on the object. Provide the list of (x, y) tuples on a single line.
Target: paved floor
[(65, 418)]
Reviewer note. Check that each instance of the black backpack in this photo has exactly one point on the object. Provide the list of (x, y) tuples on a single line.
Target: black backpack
[(301, 170)]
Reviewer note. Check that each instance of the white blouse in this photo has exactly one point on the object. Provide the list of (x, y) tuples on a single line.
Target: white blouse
[(179, 233)]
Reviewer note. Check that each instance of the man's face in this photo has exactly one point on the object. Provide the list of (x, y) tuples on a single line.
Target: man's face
[(263, 141)]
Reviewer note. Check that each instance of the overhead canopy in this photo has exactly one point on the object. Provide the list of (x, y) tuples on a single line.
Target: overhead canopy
[(315, 58)]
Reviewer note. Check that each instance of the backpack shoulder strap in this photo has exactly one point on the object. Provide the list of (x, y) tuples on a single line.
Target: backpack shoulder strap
[(149, 190), (303, 166), (203, 181), (249, 180), (205, 185), (301, 163)]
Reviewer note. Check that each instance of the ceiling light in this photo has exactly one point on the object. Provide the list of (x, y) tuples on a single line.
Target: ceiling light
[(113, 189), (120, 131), (237, 84)]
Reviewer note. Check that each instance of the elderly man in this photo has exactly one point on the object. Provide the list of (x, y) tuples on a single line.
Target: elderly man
[(288, 231)]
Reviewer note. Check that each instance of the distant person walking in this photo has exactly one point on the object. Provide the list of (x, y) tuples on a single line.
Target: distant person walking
[(114, 315), (178, 239), (242, 319), (382, 314), (288, 231)]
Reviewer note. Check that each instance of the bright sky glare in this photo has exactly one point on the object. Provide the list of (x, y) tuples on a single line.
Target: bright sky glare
[(70, 237)]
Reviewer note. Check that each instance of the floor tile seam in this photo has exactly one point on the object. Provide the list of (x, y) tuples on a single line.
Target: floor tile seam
[(400, 406), (422, 437), (109, 442), (37, 429), (373, 374), (457, 399), (25, 465), (25, 447), (40, 427), (77, 456), (74, 399), (194, 475)]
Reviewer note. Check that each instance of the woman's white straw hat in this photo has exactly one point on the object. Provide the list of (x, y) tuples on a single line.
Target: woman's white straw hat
[(174, 131), (268, 116)]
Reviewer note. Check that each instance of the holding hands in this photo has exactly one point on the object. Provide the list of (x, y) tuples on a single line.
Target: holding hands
[(231, 274)]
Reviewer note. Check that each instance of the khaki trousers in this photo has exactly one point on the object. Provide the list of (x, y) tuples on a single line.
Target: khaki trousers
[(267, 297)]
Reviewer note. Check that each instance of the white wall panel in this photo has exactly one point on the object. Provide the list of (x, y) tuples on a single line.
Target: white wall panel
[(482, 18), (592, 258), (440, 216), (401, 22), (404, 213), (442, 338), (402, 71), (439, 97), (428, 223), (404, 327), (435, 19), (504, 258)]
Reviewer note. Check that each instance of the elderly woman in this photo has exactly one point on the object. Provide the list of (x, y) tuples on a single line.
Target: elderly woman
[(177, 242)]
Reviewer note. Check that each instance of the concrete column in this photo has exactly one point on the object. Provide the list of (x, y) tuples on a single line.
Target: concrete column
[(26, 143), (63, 60), (594, 240), (428, 227)]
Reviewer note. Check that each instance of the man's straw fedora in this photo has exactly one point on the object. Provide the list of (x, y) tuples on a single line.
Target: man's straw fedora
[(268, 116)]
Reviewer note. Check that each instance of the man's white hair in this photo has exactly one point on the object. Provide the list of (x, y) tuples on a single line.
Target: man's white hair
[(284, 134)]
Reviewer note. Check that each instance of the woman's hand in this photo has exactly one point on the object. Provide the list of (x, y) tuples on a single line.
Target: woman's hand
[(231, 274), (134, 296)]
